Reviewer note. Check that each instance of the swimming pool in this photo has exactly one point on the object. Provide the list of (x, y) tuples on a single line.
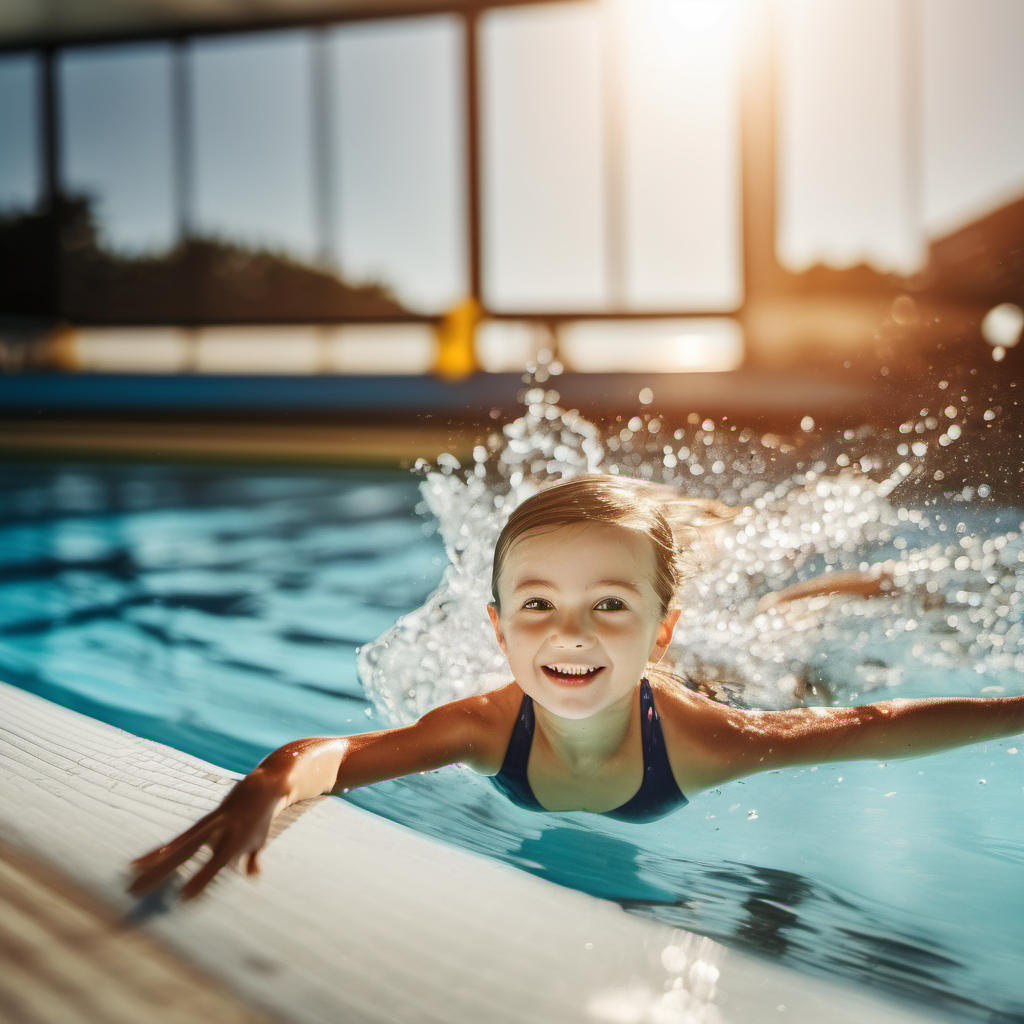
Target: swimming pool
[(219, 611)]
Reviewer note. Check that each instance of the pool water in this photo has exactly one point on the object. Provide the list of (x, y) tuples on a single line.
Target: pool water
[(220, 611)]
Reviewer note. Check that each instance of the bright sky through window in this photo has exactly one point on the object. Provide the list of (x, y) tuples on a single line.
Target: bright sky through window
[(20, 172), (847, 138), (117, 142), (611, 137), (971, 90), (545, 232), (898, 123), (678, 85), (398, 157), (253, 149)]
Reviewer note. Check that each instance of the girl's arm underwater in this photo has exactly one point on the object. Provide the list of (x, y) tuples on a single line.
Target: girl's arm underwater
[(711, 743), (470, 731)]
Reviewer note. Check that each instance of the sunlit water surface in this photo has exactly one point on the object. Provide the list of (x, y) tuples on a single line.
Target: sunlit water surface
[(220, 612)]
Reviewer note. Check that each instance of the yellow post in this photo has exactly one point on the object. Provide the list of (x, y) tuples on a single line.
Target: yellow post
[(456, 333)]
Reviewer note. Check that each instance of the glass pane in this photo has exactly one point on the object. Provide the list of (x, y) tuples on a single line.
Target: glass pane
[(973, 81), (26, 233), (20, 153), (845, 144), (116, 143), (544, 243), (680, 152), (395, 104), (253, 142)]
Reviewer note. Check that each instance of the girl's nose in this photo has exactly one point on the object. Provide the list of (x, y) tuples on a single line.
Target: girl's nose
[(571, 632)]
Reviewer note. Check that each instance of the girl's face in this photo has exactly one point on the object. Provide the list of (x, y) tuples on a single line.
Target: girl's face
[(579, 619)]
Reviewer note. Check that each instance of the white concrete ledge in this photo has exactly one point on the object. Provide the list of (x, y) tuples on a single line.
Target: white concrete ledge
[(356, 919)]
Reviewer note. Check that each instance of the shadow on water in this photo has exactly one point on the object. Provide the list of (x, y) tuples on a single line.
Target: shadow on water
[(592, 862)]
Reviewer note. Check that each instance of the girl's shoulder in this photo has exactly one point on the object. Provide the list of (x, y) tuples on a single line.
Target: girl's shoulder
[(484, 721), (702, 735), (492, 705)]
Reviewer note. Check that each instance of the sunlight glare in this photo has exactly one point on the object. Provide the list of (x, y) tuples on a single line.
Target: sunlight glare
[(701, 26)]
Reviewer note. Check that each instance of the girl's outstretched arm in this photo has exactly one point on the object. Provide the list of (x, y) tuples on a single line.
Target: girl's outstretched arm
[(720, 743), (879, 579), (467, 731)]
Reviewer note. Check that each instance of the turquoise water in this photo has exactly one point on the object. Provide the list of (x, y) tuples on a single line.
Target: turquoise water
[(220, 611)]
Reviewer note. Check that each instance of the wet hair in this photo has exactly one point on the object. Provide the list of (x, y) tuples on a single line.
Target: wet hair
[(671, 523)]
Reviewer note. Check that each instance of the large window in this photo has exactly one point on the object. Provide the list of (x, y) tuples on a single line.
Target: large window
[(323, 174), (680, 153), (294, 175), (898, 123), (611, 143), (396, 205), (544, 190)]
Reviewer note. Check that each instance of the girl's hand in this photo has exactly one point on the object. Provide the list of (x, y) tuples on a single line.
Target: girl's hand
[(236, 832)]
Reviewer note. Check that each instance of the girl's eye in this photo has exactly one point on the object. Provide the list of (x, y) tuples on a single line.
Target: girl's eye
[(610, 604), (538, 604)]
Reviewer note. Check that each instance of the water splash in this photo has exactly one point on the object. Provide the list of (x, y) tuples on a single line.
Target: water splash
[(807, 505)]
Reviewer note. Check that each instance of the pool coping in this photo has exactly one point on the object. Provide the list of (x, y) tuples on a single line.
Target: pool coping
[(409, 930)]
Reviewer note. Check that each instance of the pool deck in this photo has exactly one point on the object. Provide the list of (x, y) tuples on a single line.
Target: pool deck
[(355, 919)]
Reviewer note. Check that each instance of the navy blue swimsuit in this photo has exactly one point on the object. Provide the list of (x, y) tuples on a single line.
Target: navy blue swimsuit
[(657, 796)]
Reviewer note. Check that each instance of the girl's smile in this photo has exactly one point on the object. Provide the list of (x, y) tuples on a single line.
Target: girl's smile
[(579, 618), (571, 675)]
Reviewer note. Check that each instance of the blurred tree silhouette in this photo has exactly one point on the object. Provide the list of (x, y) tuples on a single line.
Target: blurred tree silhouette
[(201, 279)]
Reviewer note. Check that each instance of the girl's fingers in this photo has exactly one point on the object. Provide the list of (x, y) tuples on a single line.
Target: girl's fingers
[(168, 849), (149, 880), (156, 867), (235, 832), (221, 857)]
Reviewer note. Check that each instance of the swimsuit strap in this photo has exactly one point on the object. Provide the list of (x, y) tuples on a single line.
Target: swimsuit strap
[(659, 792), (511, 779)]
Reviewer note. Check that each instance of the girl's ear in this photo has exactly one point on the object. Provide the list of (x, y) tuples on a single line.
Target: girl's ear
[(493, 613), (665, 630)]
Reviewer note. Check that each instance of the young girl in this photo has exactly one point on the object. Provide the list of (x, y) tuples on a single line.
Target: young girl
[(584, 577)]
